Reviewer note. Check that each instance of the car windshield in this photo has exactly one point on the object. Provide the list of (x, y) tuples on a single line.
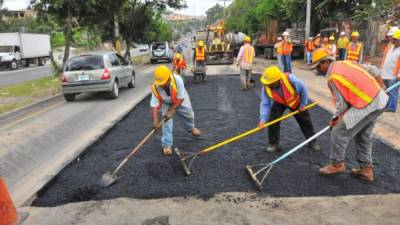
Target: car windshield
[(6, 48), (92, 62), (160, 46)]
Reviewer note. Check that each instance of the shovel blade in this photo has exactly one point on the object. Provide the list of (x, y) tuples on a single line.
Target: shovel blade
[(108, 179), (254, 177), (183, 162)]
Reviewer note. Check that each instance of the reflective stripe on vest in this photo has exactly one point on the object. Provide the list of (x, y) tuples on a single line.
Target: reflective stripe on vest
[(354, 83), (290, 97), (353, 51), (200, 54), (180, 64), (173, 91), (342, 42), (248, 54)]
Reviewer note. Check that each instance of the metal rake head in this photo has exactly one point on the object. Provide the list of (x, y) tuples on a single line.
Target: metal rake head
[(262, 173), (183, 158)]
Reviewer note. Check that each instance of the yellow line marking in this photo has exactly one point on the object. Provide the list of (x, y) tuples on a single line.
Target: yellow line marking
[(32, 115)]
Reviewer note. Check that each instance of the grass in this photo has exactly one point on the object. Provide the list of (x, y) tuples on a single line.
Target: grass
[(18, 95), (141, 59)]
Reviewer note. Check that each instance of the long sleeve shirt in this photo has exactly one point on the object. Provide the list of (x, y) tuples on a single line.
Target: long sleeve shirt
[(351, 115), (266, 101)]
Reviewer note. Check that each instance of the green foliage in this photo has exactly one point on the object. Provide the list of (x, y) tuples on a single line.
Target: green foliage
[(215, 13), (159, 31)]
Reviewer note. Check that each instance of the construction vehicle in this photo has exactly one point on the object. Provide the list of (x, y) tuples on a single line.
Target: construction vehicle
[(218, 48), (265, 40)]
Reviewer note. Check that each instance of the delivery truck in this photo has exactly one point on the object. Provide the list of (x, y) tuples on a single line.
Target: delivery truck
[(23, 49)]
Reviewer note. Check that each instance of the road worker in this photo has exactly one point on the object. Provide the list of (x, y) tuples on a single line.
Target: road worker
[(355, 48), (359, 100), (390, 67), (317, 41), (199, 57), (283, 91), (332, 46), (309, 46), (179, 63), (287, 49), (169, 96), (325, 42), (278, 48), (342, 43), (245, 61)]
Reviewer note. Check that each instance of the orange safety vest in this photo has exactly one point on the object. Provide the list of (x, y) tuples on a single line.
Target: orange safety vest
[(290, 97), (286, 48), (353, 51), (279, 49), (180, 63), (309, 46), (248, 54), (173, 92), (200, 54), (355, 84), (317, 42)]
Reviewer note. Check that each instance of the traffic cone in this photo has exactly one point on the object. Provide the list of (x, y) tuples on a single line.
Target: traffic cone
[(8, 213)]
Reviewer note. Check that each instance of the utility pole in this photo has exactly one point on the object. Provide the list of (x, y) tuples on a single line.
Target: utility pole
[(308, 23), (224, 8)]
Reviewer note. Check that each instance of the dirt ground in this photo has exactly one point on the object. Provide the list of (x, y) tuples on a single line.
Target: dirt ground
[(222, 111)]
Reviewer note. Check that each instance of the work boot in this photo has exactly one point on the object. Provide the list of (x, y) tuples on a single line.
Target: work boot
[(365, 173), (167, 150), (273, 148), (314, 146), (196, 132), (332, 169)]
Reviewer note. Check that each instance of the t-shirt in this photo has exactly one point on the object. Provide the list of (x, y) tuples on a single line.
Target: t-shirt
[(182, 94), (390, 63)]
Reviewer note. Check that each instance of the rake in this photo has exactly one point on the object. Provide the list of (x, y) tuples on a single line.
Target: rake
[(187, 159)]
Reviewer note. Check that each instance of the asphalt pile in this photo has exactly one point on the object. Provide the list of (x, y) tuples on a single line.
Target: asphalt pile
[(221, 111)]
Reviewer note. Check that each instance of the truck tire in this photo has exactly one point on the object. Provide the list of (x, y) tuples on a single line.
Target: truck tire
[(13, 65), (69, 97)]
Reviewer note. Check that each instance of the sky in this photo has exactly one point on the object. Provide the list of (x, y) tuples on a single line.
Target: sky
[(195, 7), (199, 7)]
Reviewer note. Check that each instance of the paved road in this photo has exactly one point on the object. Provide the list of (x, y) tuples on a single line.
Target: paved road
[(8, 77), (39, 145)]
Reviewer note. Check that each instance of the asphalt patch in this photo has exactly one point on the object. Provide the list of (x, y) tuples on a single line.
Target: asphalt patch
[(221, 111)]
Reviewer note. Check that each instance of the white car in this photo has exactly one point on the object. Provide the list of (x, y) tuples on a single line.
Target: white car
[(160, 51), (90, 73)]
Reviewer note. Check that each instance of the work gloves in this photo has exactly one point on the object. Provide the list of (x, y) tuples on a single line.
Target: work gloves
[(334, 121)]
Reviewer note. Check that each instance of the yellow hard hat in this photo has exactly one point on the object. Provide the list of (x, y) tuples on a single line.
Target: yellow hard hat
[(355, 34), (396, 35), (178, 56), (271, 75), (331, 38), (161, 75), (319, 55), (200, 43), (247, 39)]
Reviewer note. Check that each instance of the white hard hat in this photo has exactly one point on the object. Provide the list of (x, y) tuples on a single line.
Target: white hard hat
[(342, 33), (310, 38), (279, 39), (392, 31), (285, 33)]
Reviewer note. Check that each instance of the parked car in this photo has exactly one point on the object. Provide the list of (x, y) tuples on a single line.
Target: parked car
[(106, 72), (160, 51), (143, 48)]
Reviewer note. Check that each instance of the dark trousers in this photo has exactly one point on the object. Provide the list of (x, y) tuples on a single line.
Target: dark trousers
[(303, 119), (342, 53)]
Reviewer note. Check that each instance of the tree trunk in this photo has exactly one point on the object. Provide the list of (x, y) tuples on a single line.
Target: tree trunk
[(68, 33), (128, 48)]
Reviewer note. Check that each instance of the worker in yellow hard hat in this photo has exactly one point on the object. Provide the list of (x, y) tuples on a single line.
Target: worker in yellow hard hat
[(169, 96), (355, 48), (199, 58), (332, 46), (283, 91), (245, 60), (342, 44), (390, 68), (359, 99), (179, 63)]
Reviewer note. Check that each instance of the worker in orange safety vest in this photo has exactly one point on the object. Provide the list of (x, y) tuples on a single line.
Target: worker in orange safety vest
[(179, 64), (309, 46), (287, 49), (355, 48), (199, 57), (359, 99)]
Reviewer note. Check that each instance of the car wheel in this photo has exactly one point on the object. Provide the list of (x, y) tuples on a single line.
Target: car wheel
[(69, 97), (152, 61), (113, 94), (14, 65), (132, 82)]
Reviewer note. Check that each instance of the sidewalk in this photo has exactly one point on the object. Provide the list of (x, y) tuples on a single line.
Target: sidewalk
[(387, 128)]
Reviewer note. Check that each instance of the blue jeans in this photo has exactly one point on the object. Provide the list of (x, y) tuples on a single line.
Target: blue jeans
[(185, 113), (308, 55), (393, 95), (280, 63), (342, 53), (287, 63)]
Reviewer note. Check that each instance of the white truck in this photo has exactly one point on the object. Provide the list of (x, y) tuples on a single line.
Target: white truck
[(23, 49)]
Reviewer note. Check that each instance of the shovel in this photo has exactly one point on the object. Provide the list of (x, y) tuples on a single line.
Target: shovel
[(110, 177), (186, 159)]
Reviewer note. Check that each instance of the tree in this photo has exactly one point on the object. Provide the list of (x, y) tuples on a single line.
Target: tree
[(215, 13)]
